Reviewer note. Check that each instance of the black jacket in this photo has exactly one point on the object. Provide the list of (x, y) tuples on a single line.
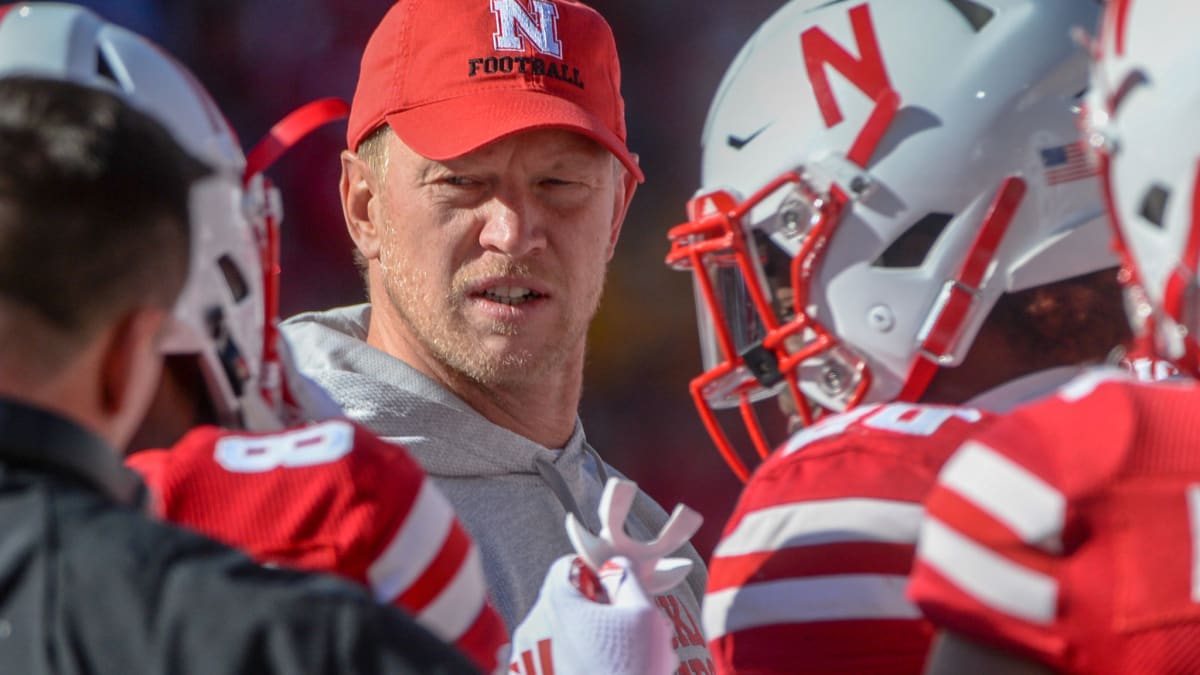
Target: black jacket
[(90, 584)]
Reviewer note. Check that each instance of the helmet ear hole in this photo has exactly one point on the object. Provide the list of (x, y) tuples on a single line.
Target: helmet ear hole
[(238, 287), (236, 370), (975, 13), (104, 69), (1154, 205), (910, 249)]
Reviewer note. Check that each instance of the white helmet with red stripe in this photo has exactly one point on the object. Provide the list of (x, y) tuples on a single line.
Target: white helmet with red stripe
[(223, 315), (876, 174), (1141, 118)]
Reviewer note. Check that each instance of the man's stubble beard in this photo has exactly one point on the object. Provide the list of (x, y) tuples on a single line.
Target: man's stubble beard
[(445, 334)]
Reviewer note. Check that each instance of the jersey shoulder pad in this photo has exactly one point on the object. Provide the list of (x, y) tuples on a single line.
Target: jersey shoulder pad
[(328, 496), (1096, 413), (908, 432)]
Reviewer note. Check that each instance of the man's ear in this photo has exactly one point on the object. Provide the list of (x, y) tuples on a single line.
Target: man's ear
[(130, 365), (358, 187), (626, 186)]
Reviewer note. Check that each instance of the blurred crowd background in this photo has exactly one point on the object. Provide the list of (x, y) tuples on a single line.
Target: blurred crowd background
[(263, 58)]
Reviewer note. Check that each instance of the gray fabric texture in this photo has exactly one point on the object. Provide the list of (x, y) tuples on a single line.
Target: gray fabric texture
[(490, 474)]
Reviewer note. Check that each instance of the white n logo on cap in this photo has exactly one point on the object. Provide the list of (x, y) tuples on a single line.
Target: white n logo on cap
[(542, 31)]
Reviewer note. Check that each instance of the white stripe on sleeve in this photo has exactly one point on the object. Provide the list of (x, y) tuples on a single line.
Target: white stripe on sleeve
[(990, 578), (1008, 492), (419, 540), (455, 608), (812, 599), (828, 521), (1193, 499)]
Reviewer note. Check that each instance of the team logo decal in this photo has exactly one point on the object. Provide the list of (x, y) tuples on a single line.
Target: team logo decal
[(867, 72), (516, 30), (514, 26)]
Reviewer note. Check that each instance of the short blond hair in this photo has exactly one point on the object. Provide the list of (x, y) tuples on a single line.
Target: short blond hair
[(374, 150)]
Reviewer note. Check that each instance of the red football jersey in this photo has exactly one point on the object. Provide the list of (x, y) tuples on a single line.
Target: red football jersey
[(810, 573), (1069, 532), (333, 497)]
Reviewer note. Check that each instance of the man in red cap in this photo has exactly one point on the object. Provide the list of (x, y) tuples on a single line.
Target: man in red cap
[(484, 186)]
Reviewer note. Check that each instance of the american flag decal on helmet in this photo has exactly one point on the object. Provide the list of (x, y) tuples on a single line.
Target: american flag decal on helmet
[(1066, 163)]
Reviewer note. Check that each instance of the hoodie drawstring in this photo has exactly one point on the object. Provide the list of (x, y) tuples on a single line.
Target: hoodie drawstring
[(558, 485)]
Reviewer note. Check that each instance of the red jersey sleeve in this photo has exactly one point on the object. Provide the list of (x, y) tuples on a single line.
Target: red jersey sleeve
[(1067, 532), (810, 573), (989, 564), (332, 497)]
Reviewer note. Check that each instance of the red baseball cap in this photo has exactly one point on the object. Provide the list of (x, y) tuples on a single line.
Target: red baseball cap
[(450, 76)]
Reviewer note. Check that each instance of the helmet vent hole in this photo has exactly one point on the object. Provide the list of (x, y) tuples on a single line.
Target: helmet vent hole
[(234, 278), (911, 248), (1154, 205), (236, 370), (976, 14), (826, 4), (104, 68)]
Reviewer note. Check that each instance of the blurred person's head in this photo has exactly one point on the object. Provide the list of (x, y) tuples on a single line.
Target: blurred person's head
[(887, 227), (224, 364), (1138, 118), (93, 251), (485, 184)]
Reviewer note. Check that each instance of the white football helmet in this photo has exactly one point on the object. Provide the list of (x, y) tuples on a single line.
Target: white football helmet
[(1141, 121), (876, 174), (226, 314)]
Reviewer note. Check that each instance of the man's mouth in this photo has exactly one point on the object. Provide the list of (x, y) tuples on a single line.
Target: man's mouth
[(510, 295)]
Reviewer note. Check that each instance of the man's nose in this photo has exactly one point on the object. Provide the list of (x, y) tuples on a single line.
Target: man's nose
[(512, 227)]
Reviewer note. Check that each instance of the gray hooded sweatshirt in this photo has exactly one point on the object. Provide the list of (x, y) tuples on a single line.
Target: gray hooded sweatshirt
[(510, 493)]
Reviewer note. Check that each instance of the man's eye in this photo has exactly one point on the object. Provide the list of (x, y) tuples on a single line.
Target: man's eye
[(460, 181)]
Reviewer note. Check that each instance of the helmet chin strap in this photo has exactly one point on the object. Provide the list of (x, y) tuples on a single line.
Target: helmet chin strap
[(275, 391), (292, 129), (1179, 295), (960, 295)]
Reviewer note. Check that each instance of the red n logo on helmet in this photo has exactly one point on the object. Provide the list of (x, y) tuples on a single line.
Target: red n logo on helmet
[(867, 72)]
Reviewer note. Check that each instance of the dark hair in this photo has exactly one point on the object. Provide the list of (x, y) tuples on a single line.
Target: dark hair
[(1077, 320), (93, 206), (1071, 322)]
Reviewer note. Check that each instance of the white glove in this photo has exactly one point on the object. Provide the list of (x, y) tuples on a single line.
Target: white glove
[(657, 573), (614, 629), (595, 612)]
